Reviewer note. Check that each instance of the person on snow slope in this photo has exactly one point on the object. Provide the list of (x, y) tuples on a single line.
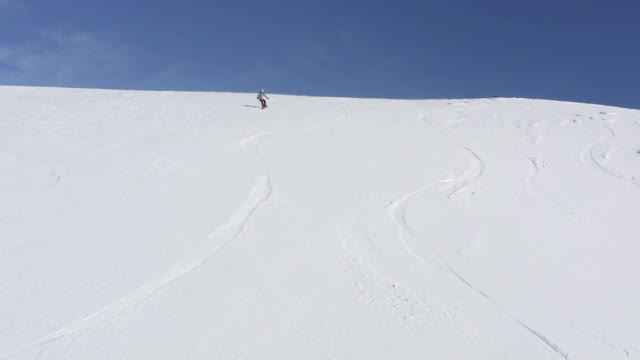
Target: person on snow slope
[(261, 97)]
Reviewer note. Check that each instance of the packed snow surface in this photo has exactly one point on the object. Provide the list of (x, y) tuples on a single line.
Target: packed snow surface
[(167, 225)]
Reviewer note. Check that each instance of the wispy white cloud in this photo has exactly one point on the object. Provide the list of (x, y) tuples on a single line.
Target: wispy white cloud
[(65, 58)]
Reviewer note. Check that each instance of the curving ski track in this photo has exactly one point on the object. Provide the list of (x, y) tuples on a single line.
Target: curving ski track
[(535, 170), (458, 185), (220, 237), (200, 254), (593, 153), (397, 212)]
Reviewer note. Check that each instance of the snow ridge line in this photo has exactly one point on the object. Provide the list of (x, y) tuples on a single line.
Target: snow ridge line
[(220, 237)]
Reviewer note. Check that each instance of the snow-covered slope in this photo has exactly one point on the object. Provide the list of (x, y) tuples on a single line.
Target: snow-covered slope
[(160, 225)]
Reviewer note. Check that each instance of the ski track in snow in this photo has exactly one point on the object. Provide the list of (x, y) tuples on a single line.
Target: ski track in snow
[(467, 183), (537, 165), (220, 237), (217, 240), (254, 138), (394, 301), (391, 290), (535, 170), (380, 294), (413, 308), (616, 346), (598, 152), (397, 212)]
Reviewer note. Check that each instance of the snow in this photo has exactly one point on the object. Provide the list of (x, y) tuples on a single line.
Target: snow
[(169, 225)]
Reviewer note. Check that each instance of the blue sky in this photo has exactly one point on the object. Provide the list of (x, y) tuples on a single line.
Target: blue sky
[(585, 50)]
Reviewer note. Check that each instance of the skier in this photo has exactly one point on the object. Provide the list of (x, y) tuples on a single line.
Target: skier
[(261, 96)]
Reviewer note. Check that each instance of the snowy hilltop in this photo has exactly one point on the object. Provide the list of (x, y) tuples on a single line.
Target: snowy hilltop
[(169, 225)]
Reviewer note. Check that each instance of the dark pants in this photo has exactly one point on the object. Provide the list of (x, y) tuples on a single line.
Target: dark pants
[(263, 102)]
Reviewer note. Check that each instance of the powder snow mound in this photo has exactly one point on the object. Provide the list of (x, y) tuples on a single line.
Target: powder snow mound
[(169, 225)]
